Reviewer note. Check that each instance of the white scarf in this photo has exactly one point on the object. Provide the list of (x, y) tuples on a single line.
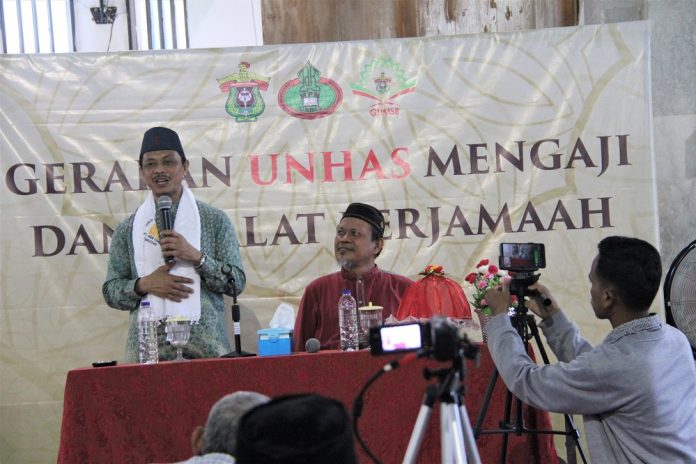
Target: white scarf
[(148, 254)]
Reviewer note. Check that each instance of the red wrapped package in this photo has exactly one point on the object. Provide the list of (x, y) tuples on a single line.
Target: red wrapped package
[(434, 295)]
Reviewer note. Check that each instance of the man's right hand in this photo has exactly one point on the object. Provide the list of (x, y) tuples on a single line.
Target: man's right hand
[(165, 285), (536, 304)]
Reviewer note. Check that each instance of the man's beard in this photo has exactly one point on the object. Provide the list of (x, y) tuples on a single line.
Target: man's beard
[(346, 264)]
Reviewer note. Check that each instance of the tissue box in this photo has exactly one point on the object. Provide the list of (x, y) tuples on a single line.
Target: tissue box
[(274, 341)]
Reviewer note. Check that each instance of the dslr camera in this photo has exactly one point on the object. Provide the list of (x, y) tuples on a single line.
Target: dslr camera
[(436, 338)]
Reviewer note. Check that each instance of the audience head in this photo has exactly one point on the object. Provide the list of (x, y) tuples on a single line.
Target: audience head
[(220, 432), (632, 267), (291, 429)]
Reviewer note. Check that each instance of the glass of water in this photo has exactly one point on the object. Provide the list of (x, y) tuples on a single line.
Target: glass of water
[(178, 331)]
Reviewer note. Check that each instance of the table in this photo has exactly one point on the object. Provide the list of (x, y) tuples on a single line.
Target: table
[(146, 413)]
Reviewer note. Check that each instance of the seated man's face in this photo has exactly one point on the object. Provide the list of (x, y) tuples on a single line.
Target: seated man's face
[(353, 244)]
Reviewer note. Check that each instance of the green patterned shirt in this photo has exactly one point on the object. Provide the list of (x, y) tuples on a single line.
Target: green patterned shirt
[(219, 243)]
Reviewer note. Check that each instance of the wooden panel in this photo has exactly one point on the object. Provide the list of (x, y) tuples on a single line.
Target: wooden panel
[(301, 21), (449, 17)]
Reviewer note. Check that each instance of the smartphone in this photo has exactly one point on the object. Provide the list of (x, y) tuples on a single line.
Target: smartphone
[(104, 363), (521, 257)]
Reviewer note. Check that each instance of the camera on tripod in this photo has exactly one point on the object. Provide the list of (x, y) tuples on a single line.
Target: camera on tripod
[(522, 260), (437, 338)]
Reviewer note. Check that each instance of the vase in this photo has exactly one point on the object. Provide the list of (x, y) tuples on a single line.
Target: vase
[(483, 322)]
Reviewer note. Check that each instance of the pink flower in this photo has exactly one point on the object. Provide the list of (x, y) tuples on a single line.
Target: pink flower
[(482, 284)]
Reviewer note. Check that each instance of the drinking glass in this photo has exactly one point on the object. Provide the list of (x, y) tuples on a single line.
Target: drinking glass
[(178, 332)]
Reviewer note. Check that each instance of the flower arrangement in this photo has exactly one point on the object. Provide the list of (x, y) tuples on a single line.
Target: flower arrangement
[(486, 276)]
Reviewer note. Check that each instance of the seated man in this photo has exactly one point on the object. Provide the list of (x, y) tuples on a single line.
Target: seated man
[(296, 429), (635, 389), (358, 242), (216, 443)]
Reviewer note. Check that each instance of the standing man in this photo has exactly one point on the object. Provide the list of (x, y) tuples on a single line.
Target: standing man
[(635, 389), (359, 240), (201, 251)]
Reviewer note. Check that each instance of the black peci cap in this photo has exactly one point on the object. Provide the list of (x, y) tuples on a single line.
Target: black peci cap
[(161, 138), (367, 213), (305, 428)]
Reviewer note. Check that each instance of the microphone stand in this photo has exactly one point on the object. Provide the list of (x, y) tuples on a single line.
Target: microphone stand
[(236, 316)]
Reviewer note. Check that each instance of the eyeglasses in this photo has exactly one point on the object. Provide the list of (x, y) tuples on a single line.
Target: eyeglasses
[(353, 234)]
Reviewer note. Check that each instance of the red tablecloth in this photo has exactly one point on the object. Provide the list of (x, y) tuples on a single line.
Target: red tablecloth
[(145, 413)]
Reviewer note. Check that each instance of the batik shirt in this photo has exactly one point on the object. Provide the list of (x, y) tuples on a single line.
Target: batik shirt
[(219, 243)]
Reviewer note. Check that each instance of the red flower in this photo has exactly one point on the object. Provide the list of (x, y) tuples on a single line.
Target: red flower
[(493, 269), (483, 262), (471, 278)]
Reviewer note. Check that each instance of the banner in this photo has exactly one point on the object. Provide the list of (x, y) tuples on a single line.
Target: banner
[(463, 142)]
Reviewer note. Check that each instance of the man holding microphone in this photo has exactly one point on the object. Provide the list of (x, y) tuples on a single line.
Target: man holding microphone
[(178, 252)]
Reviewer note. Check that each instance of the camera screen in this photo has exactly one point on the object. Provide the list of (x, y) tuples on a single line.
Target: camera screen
[(394, 338), (522, 256)]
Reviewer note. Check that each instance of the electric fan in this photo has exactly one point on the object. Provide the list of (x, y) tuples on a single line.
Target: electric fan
[(680, 293)]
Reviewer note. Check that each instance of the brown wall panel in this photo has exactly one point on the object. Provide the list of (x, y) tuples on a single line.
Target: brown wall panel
[(303, 21)]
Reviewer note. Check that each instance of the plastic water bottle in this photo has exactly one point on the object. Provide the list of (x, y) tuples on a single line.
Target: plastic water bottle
[(348, 321), (148, 352)]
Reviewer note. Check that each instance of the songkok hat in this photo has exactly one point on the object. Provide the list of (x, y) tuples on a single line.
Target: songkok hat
[(161, 138), (367, 213), (296, 429)]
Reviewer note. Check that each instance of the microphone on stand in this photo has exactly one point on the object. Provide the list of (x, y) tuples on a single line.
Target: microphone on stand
[(164, 206), (236, 316)]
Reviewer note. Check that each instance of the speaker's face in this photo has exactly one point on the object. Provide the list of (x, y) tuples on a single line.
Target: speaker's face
[(164, 173)]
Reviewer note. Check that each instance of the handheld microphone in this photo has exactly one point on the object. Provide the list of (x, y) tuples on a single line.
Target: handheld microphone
[(164, 206), (312, 345)]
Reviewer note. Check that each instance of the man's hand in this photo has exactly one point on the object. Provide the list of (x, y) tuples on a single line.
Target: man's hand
[(174, 244), (165, 285), (498, 298), (536, 304)]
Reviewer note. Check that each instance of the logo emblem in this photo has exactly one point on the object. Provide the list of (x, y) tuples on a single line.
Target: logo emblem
[(383, 81), (244, 101), (310, 96)]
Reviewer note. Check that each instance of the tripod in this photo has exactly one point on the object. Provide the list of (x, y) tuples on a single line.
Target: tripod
[(457, 442), (526, 328)]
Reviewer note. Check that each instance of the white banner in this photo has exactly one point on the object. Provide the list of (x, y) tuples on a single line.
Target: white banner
[(464, 142)]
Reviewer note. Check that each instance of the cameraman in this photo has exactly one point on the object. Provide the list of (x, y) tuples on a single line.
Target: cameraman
[(636, 390)]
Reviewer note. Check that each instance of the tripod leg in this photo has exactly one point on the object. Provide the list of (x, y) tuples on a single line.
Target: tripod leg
[(472, 453), (416, 439), (485, 403), (450, 445), (505, 424), (570, 429), (457, 437)]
